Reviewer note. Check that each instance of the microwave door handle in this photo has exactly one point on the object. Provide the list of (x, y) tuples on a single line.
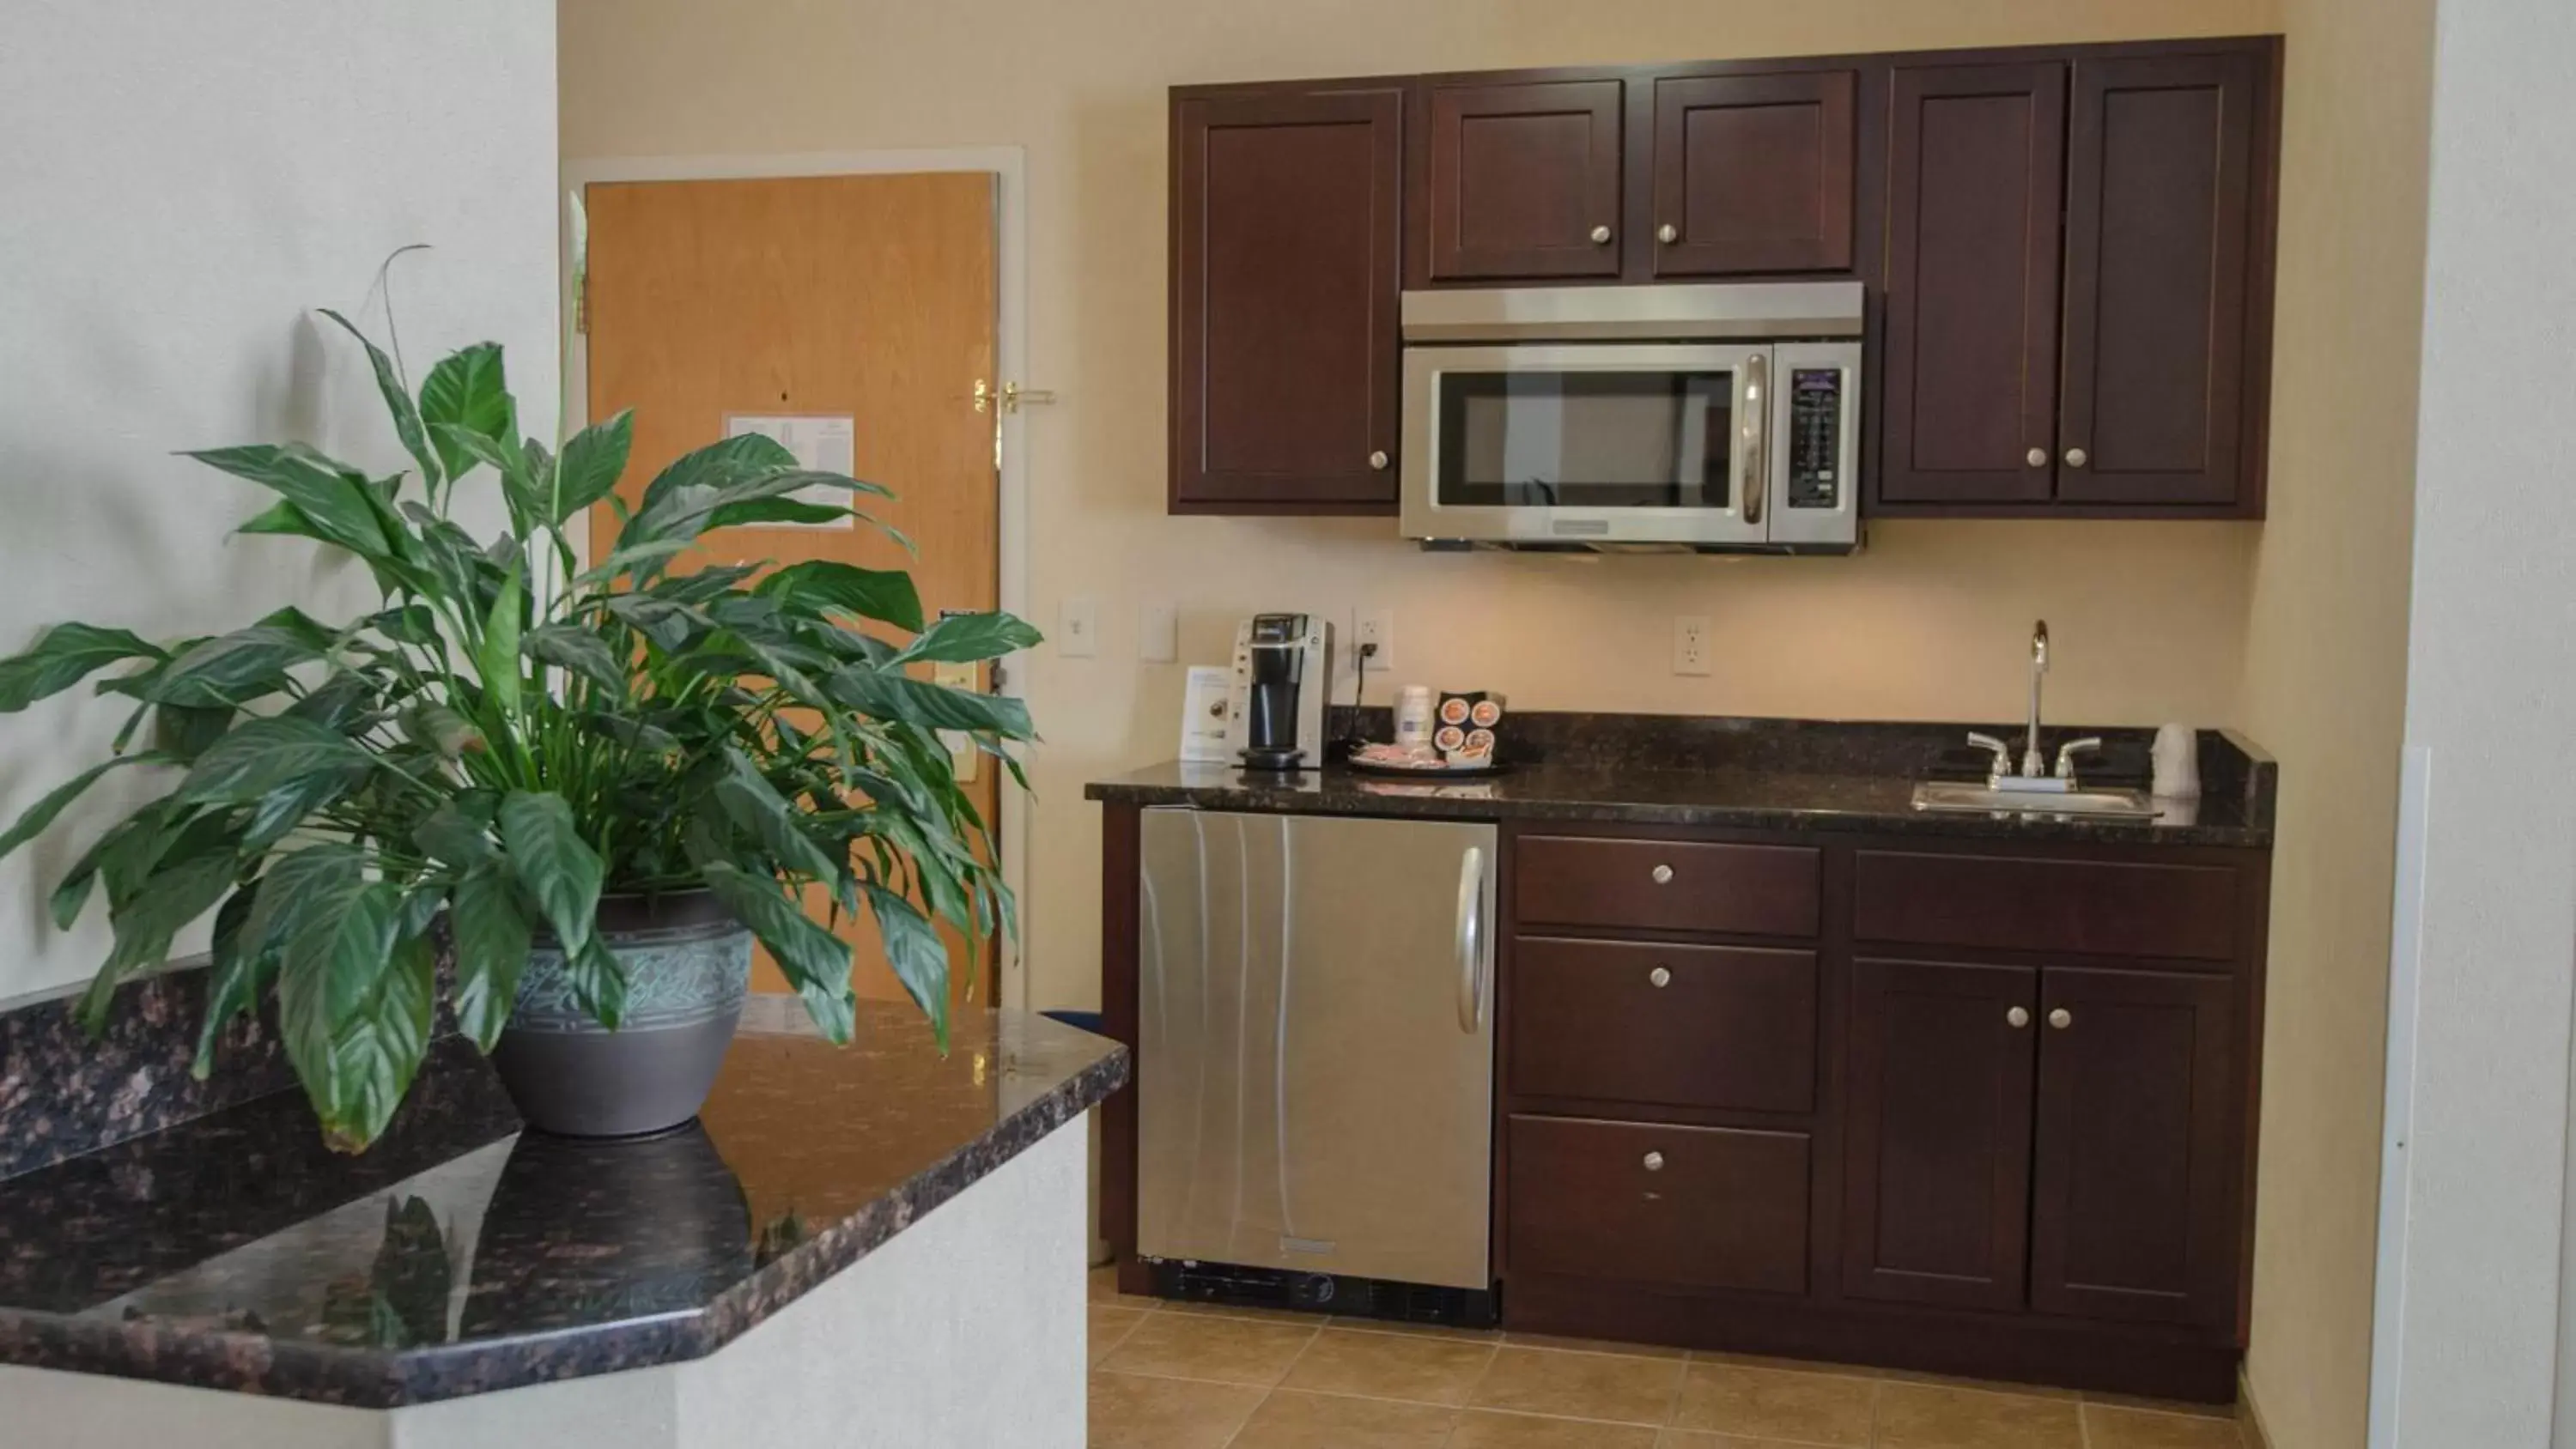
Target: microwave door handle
[(1757, 414)]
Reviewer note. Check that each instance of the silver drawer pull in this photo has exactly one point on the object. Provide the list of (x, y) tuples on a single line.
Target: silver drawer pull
[(1654, 1162), (2016, 1017), (1660, 976), (2061, 1018), (1663, 874), (1601, 236)]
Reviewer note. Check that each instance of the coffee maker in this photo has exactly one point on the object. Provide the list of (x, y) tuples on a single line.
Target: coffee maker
[(1282, 673)]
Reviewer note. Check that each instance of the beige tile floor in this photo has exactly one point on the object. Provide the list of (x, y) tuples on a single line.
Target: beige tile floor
[(1173, 1376)]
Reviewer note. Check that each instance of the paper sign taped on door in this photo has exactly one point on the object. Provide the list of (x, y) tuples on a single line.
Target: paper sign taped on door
[(822, 443)]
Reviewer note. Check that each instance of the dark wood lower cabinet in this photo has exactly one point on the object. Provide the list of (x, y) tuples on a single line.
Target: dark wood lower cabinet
[(1649, 1202), (1936, 1182), (2132, 1215)]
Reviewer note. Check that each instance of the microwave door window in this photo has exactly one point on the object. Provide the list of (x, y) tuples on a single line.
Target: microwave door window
[(1576, 439)]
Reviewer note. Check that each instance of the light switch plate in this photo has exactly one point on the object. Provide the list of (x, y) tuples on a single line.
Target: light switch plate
[(1077, 634), (1690, 644), (1158, 634)]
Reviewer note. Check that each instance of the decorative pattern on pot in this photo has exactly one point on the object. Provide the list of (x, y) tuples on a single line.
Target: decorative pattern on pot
[(675, 976)]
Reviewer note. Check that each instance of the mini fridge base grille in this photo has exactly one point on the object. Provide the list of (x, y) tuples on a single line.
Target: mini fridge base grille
[(1278, 1288)]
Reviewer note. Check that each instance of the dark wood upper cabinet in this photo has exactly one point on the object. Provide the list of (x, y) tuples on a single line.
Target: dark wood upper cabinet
[(1936, 1179), (1522, 182), (2160, 189), (1968, 393), (1753, 173), (2132, 1210), (1285, 274)]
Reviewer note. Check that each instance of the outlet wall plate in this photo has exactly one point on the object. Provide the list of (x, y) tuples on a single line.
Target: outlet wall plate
[(1376, 628), (1690, 644), (1077, 634)]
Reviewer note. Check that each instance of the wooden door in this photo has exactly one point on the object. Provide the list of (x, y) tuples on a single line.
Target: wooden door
[(2132, 1213), (1285, 273), (1754, 173), (1976, 170), (1937, 1135), (1523, 181), (862, 297), (2158, 239)]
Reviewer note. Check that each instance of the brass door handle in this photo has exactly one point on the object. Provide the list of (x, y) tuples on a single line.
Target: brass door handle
[(1009, 397)]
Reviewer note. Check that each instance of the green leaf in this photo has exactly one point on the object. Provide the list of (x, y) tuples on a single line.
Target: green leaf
[(890, 696), (66, 655), (330, 499), (497, 661), (598, 982), (147, 924), (354, 1005), (772, 510), (913, 948), (234, 977), (466, 392), (409, 624), (265, 754), (508, 457), (814, 960), (184, 732), (573, 647), (459, 832), (73, 892), (441, 728), (407, 426), (886, 595), (592, 463), (716, 464), (492, 943), (759, 811), (230, 670), (968, 639), (668, 624), (42, 814), (560, 870), (281, 810), (607, 569)]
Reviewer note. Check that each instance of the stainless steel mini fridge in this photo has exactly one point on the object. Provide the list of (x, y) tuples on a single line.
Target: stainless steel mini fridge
[(1315, 1046)]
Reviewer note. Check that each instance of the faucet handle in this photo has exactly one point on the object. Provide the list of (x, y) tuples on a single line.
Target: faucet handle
[(2003, 754), (2066, 753)]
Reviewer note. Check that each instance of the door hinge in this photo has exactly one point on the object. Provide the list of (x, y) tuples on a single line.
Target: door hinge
[(581, 303)]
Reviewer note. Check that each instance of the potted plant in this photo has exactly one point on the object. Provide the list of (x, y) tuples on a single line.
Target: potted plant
[(594, 785)]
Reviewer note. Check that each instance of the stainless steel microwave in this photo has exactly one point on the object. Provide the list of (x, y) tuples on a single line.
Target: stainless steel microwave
[(1714, 418)]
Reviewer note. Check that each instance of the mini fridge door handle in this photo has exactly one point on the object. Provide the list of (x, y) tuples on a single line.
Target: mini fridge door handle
[(1471, 941)]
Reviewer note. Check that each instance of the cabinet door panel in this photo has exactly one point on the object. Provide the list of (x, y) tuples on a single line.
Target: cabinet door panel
[(1753, 173), (1976, 173), (1937, 1137), (2157, 221), (1524, 180), (1709, 1207), (1284, 284), (2131, 1214)]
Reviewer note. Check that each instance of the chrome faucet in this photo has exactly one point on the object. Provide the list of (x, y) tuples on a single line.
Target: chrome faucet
[(2034, 765)]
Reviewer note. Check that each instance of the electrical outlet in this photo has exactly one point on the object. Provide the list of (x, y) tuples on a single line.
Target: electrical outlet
[(1158, 634), (1077, 636), (1377, 629), (1690, 644)]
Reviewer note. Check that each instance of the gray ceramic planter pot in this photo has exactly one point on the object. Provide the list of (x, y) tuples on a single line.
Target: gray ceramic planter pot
[(688, 967)]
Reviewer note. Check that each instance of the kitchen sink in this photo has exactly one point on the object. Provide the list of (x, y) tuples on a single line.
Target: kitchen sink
[(1972, 799)]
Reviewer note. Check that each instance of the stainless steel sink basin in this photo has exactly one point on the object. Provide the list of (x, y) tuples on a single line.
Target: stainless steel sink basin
[(1950, 797)]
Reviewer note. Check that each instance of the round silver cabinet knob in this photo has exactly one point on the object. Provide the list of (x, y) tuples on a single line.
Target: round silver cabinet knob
[(1377, 460), (1668, 233), (1601, 236), (2016, 1017), (2037, 457), (1660, 976), (2061, 1018), (1654, 1162), (1663, 874), (2075, 457)]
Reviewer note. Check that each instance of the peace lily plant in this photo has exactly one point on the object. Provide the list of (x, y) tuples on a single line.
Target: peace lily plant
[(509, 736)]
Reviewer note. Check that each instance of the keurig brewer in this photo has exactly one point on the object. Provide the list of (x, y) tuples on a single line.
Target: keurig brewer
[(1275, 720)]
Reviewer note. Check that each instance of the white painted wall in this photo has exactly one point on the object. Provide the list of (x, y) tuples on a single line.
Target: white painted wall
[(179, 185), (2468, 1352)]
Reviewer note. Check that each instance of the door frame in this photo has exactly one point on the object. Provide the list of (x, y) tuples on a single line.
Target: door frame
[(1009, 165)]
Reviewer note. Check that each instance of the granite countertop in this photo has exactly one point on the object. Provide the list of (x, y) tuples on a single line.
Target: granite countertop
[(1727, 774), (460, 1255)]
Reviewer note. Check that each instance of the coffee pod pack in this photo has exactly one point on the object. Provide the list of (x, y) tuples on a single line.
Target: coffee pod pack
[(1467, 731)]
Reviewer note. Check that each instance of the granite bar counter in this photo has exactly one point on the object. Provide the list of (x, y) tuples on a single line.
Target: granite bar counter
[(462, 1256), (1729, 773)]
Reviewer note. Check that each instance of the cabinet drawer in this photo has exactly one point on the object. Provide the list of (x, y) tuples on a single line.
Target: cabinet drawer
[(1669, 885), (2100, 907), (1723, 1209), (1728, 1027)]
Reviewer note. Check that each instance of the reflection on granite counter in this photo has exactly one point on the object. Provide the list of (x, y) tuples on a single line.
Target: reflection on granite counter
[(1722, 774), (461, 1255)]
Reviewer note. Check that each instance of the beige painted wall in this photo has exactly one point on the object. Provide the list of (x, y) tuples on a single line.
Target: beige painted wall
[(2325, 683), (2294, 630)]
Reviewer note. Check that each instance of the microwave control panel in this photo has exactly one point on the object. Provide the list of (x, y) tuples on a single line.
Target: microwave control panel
[(1815, 437)]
